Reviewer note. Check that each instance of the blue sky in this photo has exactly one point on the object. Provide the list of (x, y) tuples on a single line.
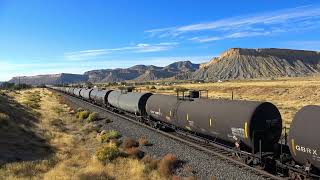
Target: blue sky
[(54, 36)]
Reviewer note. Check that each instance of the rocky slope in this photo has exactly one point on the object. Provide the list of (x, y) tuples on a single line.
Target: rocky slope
[(238, 63), (50, 79)]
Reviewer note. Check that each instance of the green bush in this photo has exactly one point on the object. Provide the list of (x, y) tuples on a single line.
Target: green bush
[(106, 137), (107, 152), (92, 117), (84, 114)]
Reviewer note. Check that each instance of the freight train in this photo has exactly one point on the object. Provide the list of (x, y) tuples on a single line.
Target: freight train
[(258, 125)]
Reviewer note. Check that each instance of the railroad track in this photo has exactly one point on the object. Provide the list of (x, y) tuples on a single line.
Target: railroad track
[(194, 142)]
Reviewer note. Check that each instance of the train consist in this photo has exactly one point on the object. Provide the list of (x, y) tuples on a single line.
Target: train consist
[(257, 125)]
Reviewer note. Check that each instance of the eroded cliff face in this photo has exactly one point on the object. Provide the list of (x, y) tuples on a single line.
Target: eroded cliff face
[(239, 63)]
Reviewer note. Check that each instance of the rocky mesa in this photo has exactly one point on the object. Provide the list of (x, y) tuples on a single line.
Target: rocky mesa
[(240, 63)]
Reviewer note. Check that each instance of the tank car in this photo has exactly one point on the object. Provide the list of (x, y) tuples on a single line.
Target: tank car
[(70, 90), (85, 93), (100, 96), (77, 91), (132, 102), (304, 136), (248, 121)]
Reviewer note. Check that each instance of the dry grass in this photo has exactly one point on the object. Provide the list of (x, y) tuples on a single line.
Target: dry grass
[(75, 148)]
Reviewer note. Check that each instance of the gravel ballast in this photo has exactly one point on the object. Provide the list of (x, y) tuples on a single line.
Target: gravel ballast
[(203, 165)]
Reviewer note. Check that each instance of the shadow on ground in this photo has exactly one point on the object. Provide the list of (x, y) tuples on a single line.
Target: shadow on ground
[(19, 137)]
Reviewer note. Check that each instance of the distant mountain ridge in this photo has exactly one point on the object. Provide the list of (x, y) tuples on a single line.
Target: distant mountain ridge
[(62, 78), (235, 63), (142, 72)]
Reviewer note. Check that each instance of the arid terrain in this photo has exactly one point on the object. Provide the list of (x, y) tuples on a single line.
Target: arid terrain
[(44, 138)]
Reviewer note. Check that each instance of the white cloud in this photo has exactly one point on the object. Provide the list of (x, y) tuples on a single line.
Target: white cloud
[(138, 48), (251, 25)]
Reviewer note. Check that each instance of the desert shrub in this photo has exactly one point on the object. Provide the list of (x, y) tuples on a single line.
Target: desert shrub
[(135, 152), (117, 142), (87, 129), (84, 114), (107, 121), (166, 164), (112, 134), (143, 141), (34, 97), (57, 109), (4, 119), (151, 163), (107, 152), (92, 117), (153, 87), (56, 122), (80, 109), (129, 143), (32, 104), (93, 175)]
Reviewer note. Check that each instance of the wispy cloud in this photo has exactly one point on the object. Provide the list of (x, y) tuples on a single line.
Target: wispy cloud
[(138, 48), (247, 26), (230, 36)]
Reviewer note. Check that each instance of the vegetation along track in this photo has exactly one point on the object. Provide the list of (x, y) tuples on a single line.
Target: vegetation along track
[(199, 144)]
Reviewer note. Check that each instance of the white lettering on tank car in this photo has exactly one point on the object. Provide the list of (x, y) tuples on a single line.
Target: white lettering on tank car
[(238, 132), (308, 150), (155, 113)]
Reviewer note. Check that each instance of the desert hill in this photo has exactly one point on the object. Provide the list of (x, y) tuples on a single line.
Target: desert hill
[(238, 63)]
